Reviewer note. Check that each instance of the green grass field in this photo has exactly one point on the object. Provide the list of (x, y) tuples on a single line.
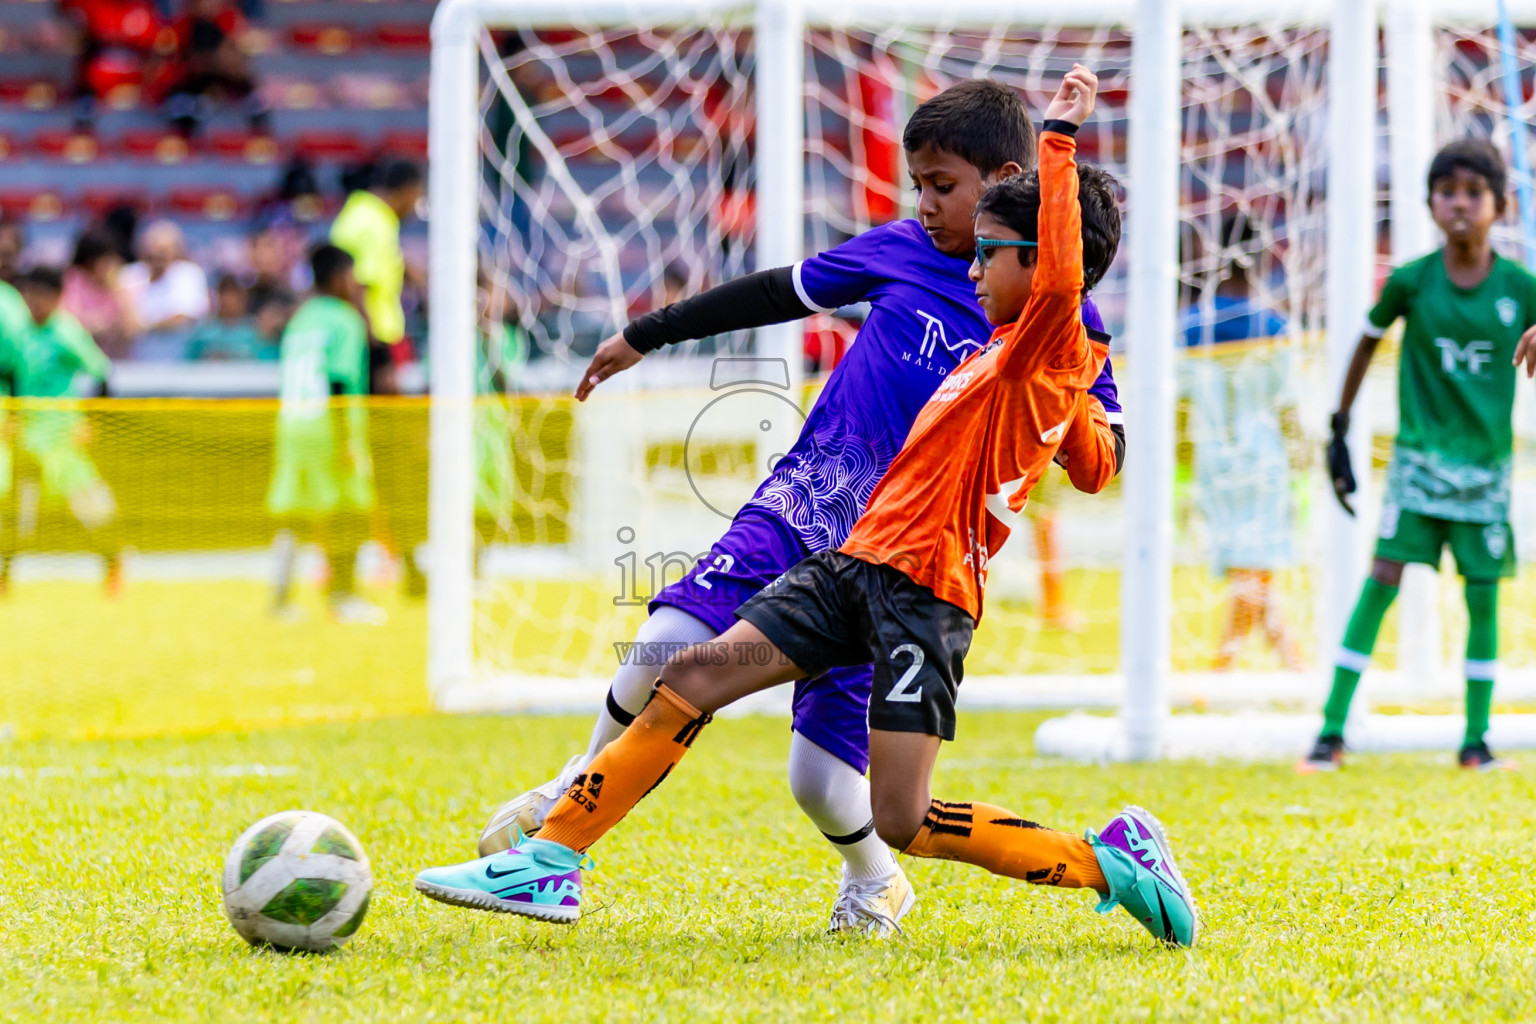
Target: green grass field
[(1397, 890), (204, 655)]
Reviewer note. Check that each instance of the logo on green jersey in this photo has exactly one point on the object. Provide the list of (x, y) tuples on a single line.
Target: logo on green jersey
[(1507, 308), (1476, 356), (1495, 539)]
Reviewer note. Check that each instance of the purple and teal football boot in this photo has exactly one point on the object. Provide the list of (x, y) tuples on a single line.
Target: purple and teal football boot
[(1134, 856), (536, 878)]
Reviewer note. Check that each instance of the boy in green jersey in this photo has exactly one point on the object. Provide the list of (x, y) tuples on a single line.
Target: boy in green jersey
[(1466, 310), (14, 323), (54, 350), (323, 477)]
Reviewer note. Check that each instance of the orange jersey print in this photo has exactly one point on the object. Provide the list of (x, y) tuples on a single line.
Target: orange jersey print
[(954, 491)]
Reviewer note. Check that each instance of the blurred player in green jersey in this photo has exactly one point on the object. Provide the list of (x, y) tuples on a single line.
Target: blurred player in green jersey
[(322, 478), (15, 320), (500, 360), (1467, 312), (55, 349)]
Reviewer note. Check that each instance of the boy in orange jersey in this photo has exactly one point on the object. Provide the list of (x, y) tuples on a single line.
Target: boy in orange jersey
[(905, 590)]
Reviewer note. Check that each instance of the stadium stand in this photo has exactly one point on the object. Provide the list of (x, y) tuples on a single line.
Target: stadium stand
[(344, 81)]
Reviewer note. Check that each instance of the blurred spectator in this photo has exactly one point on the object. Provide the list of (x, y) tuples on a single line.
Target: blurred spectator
[(122, 223), (93, 293), (271, 319), (231, 333), (13, 242), (273, 256), (168, 291), (124, 48), (296, 201), (212, 67), (368, 228)]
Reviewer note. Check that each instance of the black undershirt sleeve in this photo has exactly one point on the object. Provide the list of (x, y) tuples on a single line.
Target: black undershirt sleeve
[(766, 297), (1119, 432)]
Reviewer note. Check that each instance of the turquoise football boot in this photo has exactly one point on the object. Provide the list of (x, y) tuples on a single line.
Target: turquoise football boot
[(1134, 856), (536, 878)]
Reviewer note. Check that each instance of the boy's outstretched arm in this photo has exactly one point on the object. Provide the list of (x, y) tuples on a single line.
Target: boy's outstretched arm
[(1051, 321), (755, 300), (1525, 351)]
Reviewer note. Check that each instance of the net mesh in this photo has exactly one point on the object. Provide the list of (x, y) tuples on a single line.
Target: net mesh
[(1253, 157), (139, 592)]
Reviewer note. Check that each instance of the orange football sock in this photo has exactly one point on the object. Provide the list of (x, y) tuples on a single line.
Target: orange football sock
[(1005, 844), (626, 770)]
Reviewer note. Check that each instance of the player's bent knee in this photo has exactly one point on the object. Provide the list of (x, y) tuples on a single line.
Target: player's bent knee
[(811, 790)]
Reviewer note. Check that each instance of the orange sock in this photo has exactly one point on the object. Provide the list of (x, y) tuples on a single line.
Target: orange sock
[(626, 770), (1005, 844)]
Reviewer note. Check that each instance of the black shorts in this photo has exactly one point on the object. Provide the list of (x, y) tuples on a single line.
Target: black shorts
[(833, 610)]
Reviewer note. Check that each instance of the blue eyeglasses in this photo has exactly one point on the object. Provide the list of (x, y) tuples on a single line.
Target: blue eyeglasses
[(983, 244)]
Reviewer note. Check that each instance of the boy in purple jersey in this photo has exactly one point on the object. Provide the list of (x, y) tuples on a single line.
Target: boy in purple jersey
[(923, 320)]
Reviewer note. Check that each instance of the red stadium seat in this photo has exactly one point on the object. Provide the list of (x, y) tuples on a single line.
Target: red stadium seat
[(98, 202), (71, 147), (34, 95), (338, 146), (405, 144), (327, 39), (36, 204), (412, 36), (209, 203), (251, 148), (159, 146)]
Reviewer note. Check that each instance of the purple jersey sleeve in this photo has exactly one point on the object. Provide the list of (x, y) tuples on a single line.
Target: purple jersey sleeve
[(843, 275), (1104, 389)]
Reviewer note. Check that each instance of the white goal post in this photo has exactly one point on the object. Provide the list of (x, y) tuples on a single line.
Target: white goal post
[(1152, 256)]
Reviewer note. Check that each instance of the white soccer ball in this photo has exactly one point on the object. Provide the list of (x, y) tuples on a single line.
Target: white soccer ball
[(297, 880)]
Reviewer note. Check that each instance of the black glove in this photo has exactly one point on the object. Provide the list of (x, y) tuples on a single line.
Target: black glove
[(1339, 468)]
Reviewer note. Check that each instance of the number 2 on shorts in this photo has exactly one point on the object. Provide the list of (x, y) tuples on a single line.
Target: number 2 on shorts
[(907, 689)]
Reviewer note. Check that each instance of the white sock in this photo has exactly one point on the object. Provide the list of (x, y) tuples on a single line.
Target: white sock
[(633, 682), (836, 799)]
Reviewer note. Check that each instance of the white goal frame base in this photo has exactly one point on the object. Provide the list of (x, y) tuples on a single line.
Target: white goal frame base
[(1262, 736)]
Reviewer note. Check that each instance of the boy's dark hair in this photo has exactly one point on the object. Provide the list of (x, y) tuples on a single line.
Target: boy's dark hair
[(1015, 202), (43, 279), (1477, 156), (228, 283), (92, 245), (325, 262), (983, 122), (398, 174)]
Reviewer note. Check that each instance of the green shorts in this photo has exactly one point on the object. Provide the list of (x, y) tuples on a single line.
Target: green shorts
[(311, 477), (1484, 551)]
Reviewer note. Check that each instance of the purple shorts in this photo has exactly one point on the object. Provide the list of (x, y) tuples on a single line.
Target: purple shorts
[(832, 710)]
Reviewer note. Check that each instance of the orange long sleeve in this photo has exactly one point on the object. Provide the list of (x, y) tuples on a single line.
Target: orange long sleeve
[(1088, 449)]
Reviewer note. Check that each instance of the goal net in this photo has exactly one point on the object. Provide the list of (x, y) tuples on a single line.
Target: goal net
[(621, 166), (619, 170)]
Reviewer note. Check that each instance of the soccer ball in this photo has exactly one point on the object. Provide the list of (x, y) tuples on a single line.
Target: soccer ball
[(297, 881)]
